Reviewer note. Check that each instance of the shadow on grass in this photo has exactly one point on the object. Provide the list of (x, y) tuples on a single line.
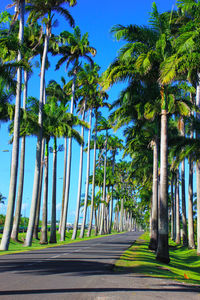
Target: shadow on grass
[(184, 263)]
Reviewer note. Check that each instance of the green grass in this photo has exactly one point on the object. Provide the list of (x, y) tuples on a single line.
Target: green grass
[(184, 264), (16, 247)]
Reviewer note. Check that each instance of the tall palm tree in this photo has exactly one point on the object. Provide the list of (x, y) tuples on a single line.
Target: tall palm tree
[(14, 167), (80, 178), (15, 228), (99, 101), (146, 50), (77, 47), (43, 10), (31, 37), (103, 124), (60, 92), (88, 78), (57, 123), (188, 39), (183, 202), (114, 144)]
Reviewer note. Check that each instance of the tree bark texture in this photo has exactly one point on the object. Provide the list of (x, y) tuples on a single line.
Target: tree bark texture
[(163, 247), (43, 237), (93, 177), (178, 234), (53, 208), (29, 234), (154, 218), (87, 178), (15, 229), (69, 157), (79, 183), (191, 242)]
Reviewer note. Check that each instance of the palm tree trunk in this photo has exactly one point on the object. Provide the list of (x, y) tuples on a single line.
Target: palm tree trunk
[(15, 151), (79, 182), (172, 207), (184, 219), (117, 218), (37, 217), (104, 186), (175, 203), (29, 234), (121, 228), (93, 177), (95, 221), (98, 217), (66, 201), (178, 237), (198, 206), (163, 247), (53, 208), (198, 171), (154, 218), (15, 229), (43, 237), (111, 211), (64, 183), (111, 200), (87, 178), (191, 243), (101, 220)]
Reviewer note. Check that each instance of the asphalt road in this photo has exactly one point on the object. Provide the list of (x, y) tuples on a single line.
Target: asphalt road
[(81, 270)]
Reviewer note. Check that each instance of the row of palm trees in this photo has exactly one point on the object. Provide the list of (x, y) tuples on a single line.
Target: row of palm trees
[(49, 118), (161, 64), (157, 108)]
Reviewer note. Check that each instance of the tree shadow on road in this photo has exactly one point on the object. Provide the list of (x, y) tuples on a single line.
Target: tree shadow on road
[(97, 290)]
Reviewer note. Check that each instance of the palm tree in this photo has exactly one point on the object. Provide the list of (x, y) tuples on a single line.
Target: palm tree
[(14, 167), (80, 178), (76, 47), (103, 124), (134, 107), (88, 78), (184, 220), (144, 51), (99, 101), (114, 143), (182, 65), (31, 52), (15, 228), (43, 10), (57, 123)]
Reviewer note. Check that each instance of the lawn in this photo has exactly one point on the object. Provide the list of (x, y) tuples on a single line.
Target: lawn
[(184, 264)]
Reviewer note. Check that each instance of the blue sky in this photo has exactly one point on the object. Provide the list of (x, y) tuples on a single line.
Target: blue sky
[(96, 18)]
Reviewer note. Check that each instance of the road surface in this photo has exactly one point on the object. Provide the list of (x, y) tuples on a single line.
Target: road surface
[(82, 270)]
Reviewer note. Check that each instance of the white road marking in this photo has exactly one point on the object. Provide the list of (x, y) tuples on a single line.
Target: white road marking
[(55, 256)]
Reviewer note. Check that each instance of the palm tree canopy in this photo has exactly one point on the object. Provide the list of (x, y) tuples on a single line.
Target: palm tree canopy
[(42, 9), (77, 46)]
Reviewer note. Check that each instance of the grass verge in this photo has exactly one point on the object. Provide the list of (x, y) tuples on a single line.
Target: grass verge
[(184, 264), (16, 247)]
